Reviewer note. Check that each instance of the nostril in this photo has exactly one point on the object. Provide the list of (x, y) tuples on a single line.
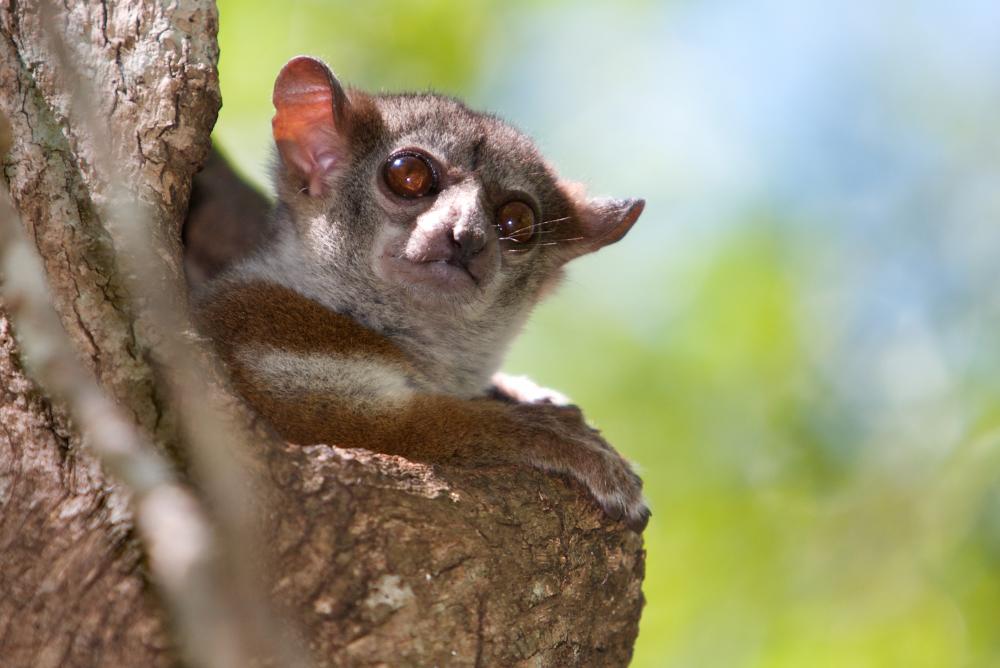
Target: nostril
[(466, 241)]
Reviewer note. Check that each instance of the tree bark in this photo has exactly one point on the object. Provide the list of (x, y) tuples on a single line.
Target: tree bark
[(374, 560)]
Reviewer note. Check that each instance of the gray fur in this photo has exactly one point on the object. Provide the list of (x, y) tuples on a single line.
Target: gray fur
[(324, 247)]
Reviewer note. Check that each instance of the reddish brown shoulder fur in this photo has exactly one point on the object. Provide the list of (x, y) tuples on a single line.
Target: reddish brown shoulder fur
[(268, 314), (265, 314)]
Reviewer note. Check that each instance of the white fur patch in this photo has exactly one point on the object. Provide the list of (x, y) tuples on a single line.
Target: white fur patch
[(359, 379), (527, 391)]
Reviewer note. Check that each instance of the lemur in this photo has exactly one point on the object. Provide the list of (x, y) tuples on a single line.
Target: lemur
[(411, 238)]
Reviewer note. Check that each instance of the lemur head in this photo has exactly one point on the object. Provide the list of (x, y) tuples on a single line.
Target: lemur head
[(425, 202)]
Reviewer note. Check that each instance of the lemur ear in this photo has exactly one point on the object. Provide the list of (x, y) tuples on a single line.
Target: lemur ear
[(601, 221), (309, 121)]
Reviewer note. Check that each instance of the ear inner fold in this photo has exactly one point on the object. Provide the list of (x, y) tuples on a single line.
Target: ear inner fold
[(308, 124), (603, 221)]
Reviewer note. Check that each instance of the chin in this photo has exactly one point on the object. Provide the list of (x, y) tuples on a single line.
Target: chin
[(431, 283)]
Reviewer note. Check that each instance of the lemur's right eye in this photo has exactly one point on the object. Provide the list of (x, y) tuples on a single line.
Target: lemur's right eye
[(516, 222), (409, 175)]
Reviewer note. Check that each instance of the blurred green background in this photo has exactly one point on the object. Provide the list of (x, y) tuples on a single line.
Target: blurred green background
[(798, 343)]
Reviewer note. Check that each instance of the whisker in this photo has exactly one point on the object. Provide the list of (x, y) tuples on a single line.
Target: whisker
[(551, 221), (543, 243), (535, 234), (557, 242)]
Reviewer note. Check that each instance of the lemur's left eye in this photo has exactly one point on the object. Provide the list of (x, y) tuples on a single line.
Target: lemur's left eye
[(409, 175), (516, 222)]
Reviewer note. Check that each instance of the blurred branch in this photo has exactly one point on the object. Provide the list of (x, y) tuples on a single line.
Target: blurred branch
[(216, 441), (180, 543)]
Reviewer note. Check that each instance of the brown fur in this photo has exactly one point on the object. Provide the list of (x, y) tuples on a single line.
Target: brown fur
[(431, 427), (258, 312), (226, 220)]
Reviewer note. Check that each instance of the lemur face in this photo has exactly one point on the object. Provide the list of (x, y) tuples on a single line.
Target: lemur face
[(437, 204), (468, 211)]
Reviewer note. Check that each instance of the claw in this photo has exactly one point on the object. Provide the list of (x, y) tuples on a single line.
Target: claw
[(638, 522), (635, 517)]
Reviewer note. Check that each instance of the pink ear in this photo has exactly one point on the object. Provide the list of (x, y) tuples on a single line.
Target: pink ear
[(308, 125), (601, 221)]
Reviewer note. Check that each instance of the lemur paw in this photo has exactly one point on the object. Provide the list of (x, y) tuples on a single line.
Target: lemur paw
[(571, 447), (617, 489)]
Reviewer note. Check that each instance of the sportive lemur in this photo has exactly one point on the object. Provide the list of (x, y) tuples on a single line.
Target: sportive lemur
[(411, 238)]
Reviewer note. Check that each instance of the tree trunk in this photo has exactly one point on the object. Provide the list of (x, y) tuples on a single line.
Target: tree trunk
[(373, 559)]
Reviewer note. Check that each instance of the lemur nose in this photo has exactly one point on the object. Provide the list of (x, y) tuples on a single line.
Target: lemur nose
[(467, 241)]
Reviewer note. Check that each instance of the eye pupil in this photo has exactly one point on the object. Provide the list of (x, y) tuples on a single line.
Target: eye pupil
[(409, 175), (516, 221)]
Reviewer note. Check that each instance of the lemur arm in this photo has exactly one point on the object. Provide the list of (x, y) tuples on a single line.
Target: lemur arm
[(320, 377)]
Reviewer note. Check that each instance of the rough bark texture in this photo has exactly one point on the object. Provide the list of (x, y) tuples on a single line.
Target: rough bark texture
[(379, 561)]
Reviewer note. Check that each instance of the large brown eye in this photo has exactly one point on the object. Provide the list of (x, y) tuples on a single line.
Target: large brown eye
[(516, 221), (409, 175)]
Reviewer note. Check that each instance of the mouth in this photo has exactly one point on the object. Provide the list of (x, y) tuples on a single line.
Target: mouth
[(438, 275)]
